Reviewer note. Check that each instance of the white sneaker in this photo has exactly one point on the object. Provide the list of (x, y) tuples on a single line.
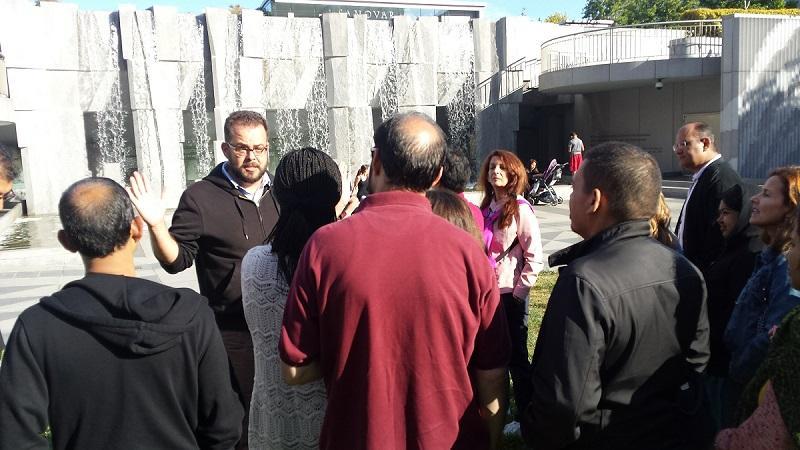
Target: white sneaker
[(512, 428)]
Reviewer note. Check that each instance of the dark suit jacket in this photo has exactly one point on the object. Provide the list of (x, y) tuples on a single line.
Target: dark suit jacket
[(702, 240)]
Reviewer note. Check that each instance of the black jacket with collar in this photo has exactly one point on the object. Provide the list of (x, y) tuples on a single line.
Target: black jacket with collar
[(625, 327), (702, 239), (215, 226)]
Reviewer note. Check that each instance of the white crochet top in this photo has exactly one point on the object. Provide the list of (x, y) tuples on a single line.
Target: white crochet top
[(281, 416)]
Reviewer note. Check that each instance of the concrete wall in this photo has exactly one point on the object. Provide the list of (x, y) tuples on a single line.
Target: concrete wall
[(645, 116), (760, 103)]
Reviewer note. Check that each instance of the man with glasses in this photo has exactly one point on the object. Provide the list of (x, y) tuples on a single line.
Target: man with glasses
[(697, 229), (219, 219)]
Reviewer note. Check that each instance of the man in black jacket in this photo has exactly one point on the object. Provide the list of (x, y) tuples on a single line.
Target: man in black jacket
[(625, 329), (217, 221), (114, 361), (697, 230)]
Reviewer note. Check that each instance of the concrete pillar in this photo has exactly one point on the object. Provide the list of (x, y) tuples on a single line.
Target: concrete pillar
[(159, 84), (760, 73), (349, 110), (40, 45)]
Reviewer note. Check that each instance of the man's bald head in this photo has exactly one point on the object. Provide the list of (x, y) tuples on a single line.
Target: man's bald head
[(96, 214), (411, 148)]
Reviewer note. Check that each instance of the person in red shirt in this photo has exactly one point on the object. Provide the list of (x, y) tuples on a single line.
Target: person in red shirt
[(397, 310)]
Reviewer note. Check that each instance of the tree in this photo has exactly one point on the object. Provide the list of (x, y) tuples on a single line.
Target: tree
[(603, 9), (557, 18), (628, 12), (658, 10)]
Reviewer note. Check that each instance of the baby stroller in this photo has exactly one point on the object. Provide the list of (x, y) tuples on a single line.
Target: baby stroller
[(542, 186)]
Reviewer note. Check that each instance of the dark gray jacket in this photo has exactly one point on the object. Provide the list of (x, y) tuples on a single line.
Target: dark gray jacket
[(625, 328)]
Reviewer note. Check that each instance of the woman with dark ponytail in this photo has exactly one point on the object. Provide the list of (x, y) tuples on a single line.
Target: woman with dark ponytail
[(307, 186)]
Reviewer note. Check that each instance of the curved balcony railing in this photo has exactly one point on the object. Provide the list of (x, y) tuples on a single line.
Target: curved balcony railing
[(522, 73), (652, 41)]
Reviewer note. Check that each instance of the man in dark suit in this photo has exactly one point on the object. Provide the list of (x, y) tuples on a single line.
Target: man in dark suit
[(697, 230)]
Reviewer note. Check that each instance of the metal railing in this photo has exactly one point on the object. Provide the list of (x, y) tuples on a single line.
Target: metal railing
[(651, 41), (519, 75)]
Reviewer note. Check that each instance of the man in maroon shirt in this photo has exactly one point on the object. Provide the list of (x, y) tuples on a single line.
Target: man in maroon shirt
[(399, 313)]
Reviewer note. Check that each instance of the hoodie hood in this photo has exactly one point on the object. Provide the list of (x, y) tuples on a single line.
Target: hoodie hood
[(218, 178), (738, 198), (131, 315)]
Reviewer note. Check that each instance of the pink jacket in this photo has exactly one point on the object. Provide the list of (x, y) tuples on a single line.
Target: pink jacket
[(517, 271)]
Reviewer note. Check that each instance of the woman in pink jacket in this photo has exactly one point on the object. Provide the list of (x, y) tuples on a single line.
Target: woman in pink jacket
[(514, 242)]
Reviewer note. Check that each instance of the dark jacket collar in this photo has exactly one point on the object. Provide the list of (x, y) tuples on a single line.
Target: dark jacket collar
[(218, 178), (615, 233)]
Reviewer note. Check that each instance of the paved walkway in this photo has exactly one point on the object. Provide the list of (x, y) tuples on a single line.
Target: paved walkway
[(33, 264)]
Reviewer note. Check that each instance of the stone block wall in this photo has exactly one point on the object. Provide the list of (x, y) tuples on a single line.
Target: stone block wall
[(40, 45), (144, 67), (163, 53)]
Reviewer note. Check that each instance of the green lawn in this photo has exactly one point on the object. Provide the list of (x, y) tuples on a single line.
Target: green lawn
[(538, 303)]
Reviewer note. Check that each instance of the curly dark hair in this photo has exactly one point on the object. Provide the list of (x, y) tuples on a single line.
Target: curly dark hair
[(307, 186), (7, 171)]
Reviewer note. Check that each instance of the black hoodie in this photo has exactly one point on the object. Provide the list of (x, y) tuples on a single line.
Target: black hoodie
[(216, 225), (727, 275), (117, 362)]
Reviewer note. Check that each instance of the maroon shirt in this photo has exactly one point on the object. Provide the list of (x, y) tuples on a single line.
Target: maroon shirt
[(396, 305)]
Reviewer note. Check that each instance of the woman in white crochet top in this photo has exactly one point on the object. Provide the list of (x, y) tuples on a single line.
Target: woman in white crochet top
[(307, 185)]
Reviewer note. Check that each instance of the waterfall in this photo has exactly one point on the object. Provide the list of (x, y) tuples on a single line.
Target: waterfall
[(317, 111), (99, 58), (111, 121), (233, 79), (197, 106), (457, 85)]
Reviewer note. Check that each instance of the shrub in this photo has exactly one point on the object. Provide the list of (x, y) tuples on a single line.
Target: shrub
[(708, 13)]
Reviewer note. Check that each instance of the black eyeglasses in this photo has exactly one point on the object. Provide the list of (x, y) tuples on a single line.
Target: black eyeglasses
[(10, 195), (242, 150)]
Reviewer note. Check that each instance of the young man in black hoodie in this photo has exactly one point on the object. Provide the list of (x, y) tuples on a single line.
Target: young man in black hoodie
[(114, 361), (219, 219)]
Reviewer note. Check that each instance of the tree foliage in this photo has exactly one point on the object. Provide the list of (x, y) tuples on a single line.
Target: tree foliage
[(769, 4), (556, 17), (627, 12)]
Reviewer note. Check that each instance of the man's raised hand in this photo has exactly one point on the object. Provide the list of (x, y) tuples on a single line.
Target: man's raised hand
[(149, 205)]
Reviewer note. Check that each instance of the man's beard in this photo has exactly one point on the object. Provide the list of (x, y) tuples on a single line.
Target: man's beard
[(240, 173)]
